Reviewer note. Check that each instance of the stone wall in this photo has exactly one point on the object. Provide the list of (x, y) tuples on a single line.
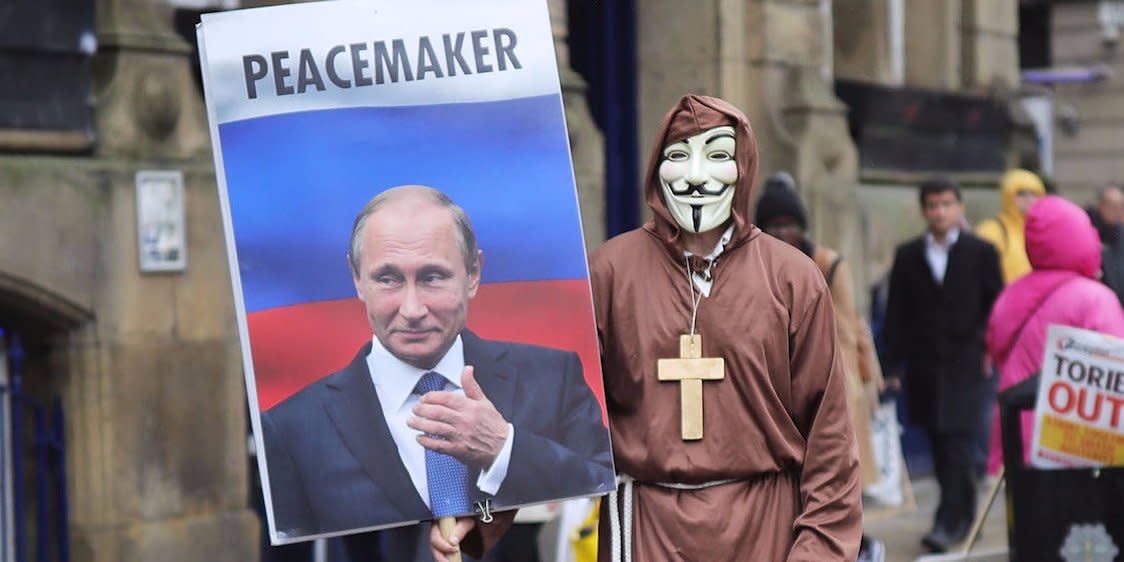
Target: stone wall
[(772, 59), (148, 364), (989, 52), (1093, 154), (861, 30), (965, 46)]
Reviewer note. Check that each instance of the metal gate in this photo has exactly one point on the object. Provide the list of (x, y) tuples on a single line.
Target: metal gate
[(7, 505), (38, 467)]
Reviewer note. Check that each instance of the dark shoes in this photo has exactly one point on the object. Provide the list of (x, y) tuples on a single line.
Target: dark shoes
[(942, 540)]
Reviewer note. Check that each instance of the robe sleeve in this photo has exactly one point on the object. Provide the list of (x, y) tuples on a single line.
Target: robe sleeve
[(829, 525), (601, 284)]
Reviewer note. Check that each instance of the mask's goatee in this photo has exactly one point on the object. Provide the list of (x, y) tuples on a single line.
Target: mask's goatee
[(696, 216)]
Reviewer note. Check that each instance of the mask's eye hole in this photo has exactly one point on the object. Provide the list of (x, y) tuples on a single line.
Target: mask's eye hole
[(676, 155)]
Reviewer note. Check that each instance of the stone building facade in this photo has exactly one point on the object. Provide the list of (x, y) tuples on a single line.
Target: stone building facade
[(1089, 137), (779, 60), (147, 366)]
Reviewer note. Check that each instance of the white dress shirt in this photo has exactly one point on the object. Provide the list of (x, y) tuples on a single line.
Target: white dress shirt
[(394, 384), (937, 254), (705, 282)]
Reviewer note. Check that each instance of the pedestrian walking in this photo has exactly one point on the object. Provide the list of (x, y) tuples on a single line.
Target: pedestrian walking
[(942, 286)]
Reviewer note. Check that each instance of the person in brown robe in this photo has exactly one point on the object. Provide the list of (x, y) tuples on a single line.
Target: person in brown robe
[(775, 476)]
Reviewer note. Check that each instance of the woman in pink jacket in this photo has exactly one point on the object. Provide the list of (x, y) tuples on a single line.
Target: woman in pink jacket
[(1065, 254)]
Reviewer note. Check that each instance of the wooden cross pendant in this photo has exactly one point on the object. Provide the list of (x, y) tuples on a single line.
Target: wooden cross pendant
[(690, 370)]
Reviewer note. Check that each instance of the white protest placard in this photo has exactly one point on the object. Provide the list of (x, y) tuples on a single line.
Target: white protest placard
[(317, 110), (1079, 415)]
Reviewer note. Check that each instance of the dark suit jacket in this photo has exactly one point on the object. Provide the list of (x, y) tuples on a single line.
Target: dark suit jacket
[(333, 464), (937, 330)]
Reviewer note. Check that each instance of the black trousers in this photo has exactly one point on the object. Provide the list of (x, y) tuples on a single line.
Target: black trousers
[(983, 435), (953, 460), (520, 544)]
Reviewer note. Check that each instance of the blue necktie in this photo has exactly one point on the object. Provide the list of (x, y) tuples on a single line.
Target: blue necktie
[(446, 476)]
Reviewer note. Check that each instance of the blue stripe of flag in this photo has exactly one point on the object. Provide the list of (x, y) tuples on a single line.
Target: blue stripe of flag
[(297, 180)]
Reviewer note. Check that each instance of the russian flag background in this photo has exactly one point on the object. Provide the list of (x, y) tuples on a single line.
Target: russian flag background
[(296, 181)]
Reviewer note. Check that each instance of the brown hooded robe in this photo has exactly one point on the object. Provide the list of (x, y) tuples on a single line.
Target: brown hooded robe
[(777, 423)]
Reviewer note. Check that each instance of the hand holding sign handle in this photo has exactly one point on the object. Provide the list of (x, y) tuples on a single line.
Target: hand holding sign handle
[(445, 537)]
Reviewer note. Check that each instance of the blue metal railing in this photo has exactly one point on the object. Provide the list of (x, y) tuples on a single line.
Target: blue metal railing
[(7, 548), (15, 364), (49, 463)]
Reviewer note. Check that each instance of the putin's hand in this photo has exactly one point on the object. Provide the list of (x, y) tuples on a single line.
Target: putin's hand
[(467, 427)]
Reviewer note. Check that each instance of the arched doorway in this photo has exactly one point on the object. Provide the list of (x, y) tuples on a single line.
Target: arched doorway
[(35, 329)]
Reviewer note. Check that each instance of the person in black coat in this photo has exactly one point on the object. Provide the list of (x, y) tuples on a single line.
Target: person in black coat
[(1108, 215), (942, 286)]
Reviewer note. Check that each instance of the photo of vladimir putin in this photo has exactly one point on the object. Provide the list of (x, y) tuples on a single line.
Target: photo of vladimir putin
[(428, 418)]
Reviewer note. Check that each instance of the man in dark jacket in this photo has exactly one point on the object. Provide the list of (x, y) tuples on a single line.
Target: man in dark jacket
[(1108, 215), (942, 286)]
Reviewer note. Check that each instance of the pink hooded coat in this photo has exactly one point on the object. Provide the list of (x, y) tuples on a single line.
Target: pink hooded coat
[(1065, 254)]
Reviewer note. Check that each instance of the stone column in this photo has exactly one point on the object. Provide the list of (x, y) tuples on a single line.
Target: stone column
[(587, 145), (932, 44), (990, 44), (678, 52), (800, 124), (771, 58), (157, 408), (861, 29)]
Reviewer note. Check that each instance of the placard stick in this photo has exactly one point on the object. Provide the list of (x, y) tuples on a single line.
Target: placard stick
[(447, 524), (975, 533)]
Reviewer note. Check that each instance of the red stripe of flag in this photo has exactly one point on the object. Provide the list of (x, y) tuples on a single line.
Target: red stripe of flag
[(294, 346)]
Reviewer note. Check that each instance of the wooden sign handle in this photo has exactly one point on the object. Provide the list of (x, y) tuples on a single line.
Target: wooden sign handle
[(447, 524)]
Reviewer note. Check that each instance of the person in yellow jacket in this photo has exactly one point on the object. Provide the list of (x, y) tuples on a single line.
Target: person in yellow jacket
[(1018, 190)]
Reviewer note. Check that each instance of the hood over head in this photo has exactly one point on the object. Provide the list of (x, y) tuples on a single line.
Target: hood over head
[(1014, 181), (692, 115), (1059, 236), (1062, 245)]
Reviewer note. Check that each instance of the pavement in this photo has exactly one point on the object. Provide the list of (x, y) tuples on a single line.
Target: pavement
[(902, 532)]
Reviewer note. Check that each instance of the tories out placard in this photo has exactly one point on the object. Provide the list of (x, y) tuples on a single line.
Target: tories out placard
[(408, 266), (1079, 415)]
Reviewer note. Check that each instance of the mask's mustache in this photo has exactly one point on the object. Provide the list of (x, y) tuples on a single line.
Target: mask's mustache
[(701, 189)]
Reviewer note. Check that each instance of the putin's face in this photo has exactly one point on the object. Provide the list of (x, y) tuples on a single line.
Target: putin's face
[(414, 281)]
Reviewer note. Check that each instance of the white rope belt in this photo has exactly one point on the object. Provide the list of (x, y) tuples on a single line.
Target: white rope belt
[(621, 538)]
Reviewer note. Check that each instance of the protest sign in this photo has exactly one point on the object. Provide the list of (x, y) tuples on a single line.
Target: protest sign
[(317, 108), (1079, 414)]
